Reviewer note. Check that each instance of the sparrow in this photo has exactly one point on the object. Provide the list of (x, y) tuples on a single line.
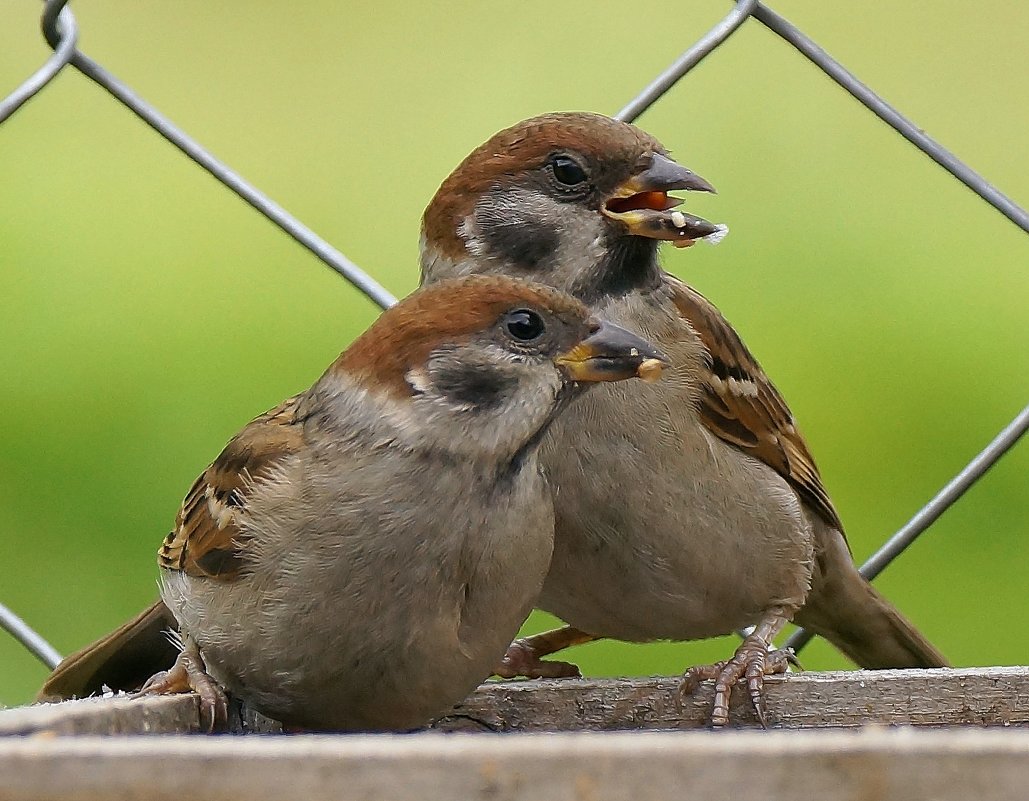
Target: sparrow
[(360, 556), (693, 507)]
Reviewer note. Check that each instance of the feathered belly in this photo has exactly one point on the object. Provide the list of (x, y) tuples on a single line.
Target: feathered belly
[(643, 551), (368, 633)]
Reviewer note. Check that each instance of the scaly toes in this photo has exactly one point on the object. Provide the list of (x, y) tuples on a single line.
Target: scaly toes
[(521, 660), (188, 674), (166, 682), (753, 661), (692, 678), (755, 687), (214, 705), (726, 680)]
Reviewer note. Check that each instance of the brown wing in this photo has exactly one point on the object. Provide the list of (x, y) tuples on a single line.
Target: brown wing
[(741, 405), (207, 540)]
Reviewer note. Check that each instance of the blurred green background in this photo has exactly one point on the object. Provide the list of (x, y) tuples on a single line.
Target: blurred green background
[(146, 313)]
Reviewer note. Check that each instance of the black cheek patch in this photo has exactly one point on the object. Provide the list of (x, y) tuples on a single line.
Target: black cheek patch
[(527, 243), (473, 385)]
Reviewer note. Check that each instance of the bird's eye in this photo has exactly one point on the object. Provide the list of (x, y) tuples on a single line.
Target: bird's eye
[(567, 170), (524, 325)]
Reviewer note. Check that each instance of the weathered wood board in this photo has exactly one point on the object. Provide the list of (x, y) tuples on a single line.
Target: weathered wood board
[(946, 697), (943, 735), (870, 764)]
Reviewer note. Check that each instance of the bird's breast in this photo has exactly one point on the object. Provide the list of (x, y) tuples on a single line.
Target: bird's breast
[(663, 530)]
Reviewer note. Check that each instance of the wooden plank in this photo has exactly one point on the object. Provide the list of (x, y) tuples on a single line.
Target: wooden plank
[(979, 696), (904, 764), (946, 697), (122, 715)]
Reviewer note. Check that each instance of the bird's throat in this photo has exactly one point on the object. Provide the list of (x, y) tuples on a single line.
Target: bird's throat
[(629, 264)]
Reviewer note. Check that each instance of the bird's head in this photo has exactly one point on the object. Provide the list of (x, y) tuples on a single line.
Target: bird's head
[(576, 200), (485, 359)]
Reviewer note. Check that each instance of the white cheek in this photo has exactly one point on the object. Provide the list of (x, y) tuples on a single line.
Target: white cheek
[(467, 230), (418, 380)]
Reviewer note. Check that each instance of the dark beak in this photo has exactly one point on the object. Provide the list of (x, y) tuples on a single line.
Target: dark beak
[(611, 353), (642, 203), (665, 175)]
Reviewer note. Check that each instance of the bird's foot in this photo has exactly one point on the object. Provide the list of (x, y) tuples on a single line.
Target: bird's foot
[(522, 660), (524, 655), (752, 661), (189, 674)]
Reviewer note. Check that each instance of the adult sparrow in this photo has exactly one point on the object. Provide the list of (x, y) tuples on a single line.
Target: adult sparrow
[(686, 509), (360, 557)]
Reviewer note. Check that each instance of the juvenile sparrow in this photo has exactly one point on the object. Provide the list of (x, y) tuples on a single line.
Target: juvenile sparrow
[(360, 557), (686, 509)]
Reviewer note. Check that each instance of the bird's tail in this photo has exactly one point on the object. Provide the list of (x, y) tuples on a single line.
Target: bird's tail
[(855, 617), (123, 660)]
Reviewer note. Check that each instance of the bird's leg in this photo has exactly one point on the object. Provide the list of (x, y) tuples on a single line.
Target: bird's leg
[(752, 661), (523, 657), (189, 674)]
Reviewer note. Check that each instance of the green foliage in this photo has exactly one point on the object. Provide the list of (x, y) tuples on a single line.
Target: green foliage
[(146, 314)]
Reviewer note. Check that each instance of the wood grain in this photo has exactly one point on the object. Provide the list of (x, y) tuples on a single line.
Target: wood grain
[(872, 764), (940, 735), (946, 697)]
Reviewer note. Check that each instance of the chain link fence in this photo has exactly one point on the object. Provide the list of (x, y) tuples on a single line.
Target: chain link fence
[(60, 29)]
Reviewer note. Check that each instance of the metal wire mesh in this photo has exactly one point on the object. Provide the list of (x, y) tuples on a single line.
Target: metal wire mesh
[(61, 32)]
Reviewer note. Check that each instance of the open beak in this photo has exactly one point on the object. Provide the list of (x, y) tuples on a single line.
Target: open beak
[(642, 204), (611, 353)]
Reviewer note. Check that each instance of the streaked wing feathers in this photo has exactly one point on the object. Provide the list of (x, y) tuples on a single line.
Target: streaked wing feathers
[(741, 406), (207, 540)]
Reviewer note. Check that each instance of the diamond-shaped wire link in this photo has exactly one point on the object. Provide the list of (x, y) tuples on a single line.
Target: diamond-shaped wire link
[(61, 32)]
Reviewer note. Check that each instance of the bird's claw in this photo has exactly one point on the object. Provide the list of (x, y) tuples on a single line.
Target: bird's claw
[(752, 661), (188, 674), (522, 660)]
